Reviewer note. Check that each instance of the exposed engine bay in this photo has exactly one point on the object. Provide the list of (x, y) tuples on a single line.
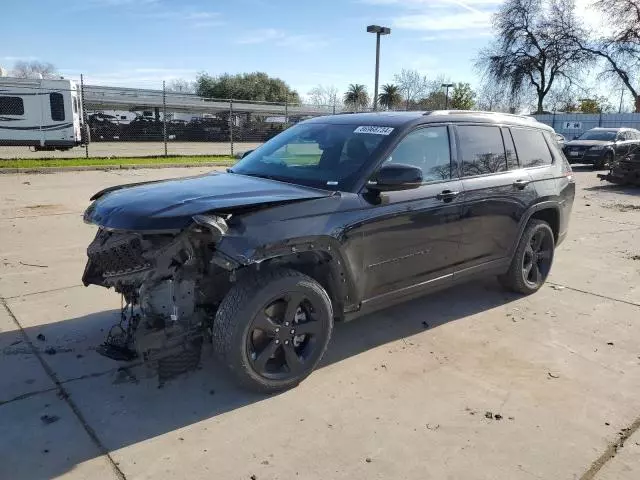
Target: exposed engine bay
[(170, 286)]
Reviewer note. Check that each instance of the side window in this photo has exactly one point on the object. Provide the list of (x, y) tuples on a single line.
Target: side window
[(427, 149), (11, 106), (510, 149), (531, 147), (57, 106), (481, 150)]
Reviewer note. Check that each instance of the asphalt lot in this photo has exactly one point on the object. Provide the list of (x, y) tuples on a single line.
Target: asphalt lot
[(395, 397), (134, 149)]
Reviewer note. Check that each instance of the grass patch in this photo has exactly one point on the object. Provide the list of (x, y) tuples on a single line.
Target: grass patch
[(222, 160)]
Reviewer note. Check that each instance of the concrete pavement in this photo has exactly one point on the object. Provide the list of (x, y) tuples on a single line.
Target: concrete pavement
[(471, 383)]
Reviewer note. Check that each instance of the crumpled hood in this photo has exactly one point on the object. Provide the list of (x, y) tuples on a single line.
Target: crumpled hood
[(171, 204), (588, 143)]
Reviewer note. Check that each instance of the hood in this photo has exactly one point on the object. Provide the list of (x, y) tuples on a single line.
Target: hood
[(587, 143), (171, 204)]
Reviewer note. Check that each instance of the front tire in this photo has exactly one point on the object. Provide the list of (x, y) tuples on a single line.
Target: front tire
[(272, 329), (532, 260), (604, 162)]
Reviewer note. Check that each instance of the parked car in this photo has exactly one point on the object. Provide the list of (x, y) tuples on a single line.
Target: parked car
[(334, 218), (601, 146)]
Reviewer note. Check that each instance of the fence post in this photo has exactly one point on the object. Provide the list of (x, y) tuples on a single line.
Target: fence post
[(286, 109), (164, 116), (231, 125), (85, 125)]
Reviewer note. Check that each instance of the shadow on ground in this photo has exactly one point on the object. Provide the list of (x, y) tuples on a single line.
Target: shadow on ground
[(127, 406), (606, 187)]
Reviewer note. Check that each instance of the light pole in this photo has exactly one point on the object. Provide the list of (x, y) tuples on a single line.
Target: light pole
[(446, 94), (378, 30)]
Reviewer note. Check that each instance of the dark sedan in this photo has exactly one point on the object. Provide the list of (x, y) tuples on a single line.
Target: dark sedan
[(601, 146)]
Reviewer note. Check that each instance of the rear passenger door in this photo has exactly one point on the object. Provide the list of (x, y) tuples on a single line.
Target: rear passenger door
[(497, 192)]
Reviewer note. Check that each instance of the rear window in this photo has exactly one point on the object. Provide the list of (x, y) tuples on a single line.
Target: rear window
[(531, 147), (57, 106), (11, 106), (481, 150)]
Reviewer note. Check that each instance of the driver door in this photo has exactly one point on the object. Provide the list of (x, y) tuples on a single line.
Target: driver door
[(411, 238)]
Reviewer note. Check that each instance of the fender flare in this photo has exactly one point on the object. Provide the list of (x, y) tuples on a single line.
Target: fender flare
[(545, 205)]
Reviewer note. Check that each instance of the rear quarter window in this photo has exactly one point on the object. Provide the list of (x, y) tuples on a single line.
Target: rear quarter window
[(57, 106), (531, 147)]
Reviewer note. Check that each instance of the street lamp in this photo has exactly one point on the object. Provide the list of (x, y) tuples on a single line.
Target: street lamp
[(378, 30), (446, 95)]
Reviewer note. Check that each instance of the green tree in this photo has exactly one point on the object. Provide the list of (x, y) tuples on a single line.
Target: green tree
[(257, 86), (589, 105), (390, 97), (462, 97), (356, 96)]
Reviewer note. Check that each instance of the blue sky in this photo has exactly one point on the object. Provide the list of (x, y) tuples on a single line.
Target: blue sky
[(306, 43)]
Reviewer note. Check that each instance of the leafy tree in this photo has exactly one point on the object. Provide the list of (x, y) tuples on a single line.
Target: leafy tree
[(412, 85), (462, 97), (257, 86), (619, 51), (534, 47), (34, 69), (322, 96), (356, 96), (390, 97)]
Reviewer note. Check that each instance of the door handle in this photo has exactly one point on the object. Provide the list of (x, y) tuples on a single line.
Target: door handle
[(521, 183), (447, 195)]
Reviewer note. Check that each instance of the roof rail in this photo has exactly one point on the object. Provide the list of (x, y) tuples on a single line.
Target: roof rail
[(480, 112)]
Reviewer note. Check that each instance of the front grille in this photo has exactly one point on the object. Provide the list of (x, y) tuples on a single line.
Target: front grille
[(116, 253)]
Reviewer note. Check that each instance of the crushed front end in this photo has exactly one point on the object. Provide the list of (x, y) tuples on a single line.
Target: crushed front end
[(168, 282), (625, 171)]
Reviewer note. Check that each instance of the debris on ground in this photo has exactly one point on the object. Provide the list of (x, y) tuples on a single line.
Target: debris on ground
[(557, 287), (624, 207), (497, 416), (41, 337), (433, 426), (553, 375), (49, 419), (368, 460), (33, 265), (610, 344), (488, 415), (425, 325), (253, 477), (265, 462), (50, 351)]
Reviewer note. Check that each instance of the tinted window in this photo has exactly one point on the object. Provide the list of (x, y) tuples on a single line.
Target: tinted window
[(481, 150), (315, 154), (11, 106), (512, 160), (427, 149), (531, 147), (606, 135), (57, 106)]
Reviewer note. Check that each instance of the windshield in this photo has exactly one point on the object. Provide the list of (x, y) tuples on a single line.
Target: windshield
[(605, 135), (317, 155)]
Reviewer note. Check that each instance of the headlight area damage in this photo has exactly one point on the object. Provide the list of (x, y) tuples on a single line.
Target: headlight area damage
[(171, 284)]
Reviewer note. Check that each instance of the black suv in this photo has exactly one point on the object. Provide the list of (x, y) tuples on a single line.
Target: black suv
[(334, 218), (601, 146)]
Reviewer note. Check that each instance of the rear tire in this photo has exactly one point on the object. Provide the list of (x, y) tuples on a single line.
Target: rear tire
[(532, 260), (605, 162), (272, 329)]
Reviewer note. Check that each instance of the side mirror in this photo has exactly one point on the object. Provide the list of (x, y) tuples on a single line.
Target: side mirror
[(245, 154), (394, 177)]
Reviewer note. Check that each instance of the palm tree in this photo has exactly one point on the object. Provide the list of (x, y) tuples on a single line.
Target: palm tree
[(390, 96), (356, 96)]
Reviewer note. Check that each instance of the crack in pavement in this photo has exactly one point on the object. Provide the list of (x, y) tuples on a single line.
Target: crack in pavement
[(42, 215), (611, 450), (62, 392), (594, 294), (42, 291)]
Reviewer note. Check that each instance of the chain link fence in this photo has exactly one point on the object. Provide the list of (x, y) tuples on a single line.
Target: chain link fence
[(67, 119)]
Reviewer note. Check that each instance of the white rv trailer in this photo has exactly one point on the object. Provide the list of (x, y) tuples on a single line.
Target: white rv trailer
[(43, 114)]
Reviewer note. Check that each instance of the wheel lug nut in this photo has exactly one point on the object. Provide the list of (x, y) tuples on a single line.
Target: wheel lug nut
[(286, 324), (277, 330), (286, 342), (277, 341), (293, 331)]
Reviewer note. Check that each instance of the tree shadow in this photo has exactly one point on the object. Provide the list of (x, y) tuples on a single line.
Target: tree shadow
[(126, 407)]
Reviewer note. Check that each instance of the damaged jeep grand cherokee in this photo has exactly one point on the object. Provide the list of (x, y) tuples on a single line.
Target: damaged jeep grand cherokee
[(333, 218)]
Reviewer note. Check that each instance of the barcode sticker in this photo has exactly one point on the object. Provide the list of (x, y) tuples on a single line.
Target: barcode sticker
[(374, 130)]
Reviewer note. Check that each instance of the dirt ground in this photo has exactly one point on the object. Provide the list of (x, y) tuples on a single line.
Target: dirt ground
[(133, 149), (472, 383)]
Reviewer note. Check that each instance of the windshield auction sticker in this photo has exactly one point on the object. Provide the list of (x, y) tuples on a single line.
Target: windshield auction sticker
[(374, 130)]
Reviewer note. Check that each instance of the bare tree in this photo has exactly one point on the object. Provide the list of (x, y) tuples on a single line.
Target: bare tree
[(180, 85), (534, 47), (620, 50), (412, 85), (322, 96), (34, 69)]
